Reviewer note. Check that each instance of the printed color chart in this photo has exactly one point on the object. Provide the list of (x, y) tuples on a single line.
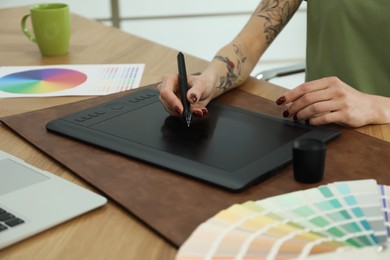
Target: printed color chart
[(329, 218), (69, 80), (41, 81)]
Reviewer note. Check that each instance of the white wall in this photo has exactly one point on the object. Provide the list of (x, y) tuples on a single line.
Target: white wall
[(197, 27), (89, 8)]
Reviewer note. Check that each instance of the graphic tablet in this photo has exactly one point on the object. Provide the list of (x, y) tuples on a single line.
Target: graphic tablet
[(231, 147)]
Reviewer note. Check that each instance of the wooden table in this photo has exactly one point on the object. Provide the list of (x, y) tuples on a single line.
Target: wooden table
[(109, 232)]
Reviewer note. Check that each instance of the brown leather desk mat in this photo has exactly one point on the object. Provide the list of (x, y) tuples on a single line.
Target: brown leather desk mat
[(174, 205)]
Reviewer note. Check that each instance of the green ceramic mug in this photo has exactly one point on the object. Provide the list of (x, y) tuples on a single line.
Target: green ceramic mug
[(51, 28)]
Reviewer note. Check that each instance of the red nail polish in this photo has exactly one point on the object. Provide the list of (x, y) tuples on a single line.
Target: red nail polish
[(177, 109), (286, 113), (205, 111), (193, 98), (197, 114), (280, 100)]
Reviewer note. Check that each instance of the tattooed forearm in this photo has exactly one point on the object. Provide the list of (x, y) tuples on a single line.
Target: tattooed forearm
[(233, 69), (226, 82), (276, 14)]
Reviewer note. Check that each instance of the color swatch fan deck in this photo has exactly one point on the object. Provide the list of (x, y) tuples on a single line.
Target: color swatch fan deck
[(329, 218)]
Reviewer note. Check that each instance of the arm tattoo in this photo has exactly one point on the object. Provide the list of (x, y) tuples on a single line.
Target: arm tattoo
[(233, 69), (276, 14)]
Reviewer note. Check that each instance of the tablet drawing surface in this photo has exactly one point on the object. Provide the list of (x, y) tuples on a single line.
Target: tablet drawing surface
[(231, 147)]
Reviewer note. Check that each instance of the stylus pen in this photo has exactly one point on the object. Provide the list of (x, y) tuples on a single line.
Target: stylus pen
[(183, 83)]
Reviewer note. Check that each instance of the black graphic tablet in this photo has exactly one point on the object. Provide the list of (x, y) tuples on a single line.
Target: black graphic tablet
[(231, 147)]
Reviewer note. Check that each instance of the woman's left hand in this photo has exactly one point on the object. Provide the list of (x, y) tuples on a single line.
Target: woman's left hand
[(329, 100)]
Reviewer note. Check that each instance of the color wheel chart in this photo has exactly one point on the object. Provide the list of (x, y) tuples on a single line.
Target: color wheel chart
[(68, 80), (329, 218), (41, 81)]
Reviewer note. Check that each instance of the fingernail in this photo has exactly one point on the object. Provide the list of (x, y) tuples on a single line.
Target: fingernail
[(197, 114), (205, 111), (286, 113), (177, 109), (280, 100), (295, 118), (193, 98)]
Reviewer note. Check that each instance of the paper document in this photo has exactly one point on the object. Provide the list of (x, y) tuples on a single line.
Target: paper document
[(68, 80)]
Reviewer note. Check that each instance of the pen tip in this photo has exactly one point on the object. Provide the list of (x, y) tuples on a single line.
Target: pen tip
[(188, 120)]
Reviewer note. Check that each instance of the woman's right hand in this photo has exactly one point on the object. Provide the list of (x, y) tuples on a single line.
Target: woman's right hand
[(200, 92)]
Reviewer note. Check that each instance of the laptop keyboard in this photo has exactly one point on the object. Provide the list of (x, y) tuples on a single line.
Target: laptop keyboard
[(8, 220)]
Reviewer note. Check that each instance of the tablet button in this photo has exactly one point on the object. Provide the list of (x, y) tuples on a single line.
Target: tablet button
[(133, 100), (116, 107)]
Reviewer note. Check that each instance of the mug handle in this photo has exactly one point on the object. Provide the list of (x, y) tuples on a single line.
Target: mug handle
[(26, 31)]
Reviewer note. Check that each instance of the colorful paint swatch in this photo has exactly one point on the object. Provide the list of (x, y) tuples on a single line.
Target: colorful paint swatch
[(352, 214), (385, 200)]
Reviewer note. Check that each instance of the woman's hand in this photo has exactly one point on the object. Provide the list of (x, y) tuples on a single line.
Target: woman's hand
[(200, 92), (329, 100)]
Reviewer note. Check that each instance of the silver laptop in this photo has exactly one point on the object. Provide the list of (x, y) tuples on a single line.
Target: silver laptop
[(32, 200)]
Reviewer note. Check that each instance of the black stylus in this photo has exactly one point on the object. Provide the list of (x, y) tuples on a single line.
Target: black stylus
[(183, 83)]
